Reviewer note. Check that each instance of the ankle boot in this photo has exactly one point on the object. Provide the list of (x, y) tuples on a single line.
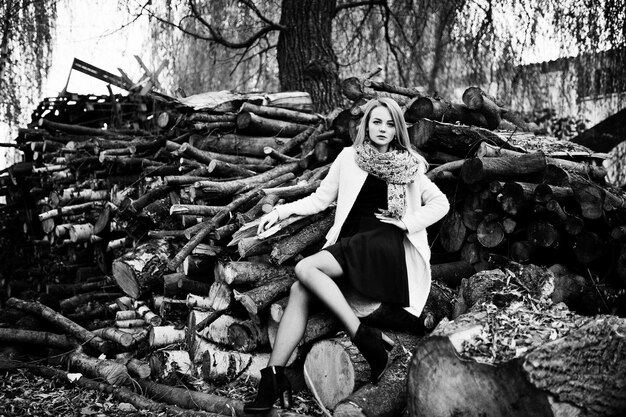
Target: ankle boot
[(375, 347), (273, 385)]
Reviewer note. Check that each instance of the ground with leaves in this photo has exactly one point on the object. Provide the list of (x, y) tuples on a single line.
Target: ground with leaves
[(25, 394)]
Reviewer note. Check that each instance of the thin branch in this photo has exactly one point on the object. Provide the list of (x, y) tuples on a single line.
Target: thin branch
[(218, 38), (346, 6), (260, 15)]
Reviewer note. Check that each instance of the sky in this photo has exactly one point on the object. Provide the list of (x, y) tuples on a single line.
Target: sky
[(101, 42)]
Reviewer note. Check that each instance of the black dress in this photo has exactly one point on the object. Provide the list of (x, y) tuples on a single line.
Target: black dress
[(371, 252)]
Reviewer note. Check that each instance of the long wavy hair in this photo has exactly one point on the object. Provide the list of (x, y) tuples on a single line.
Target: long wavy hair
[(401, 141)]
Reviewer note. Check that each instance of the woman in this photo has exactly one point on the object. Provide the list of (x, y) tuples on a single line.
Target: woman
[(376, 250)]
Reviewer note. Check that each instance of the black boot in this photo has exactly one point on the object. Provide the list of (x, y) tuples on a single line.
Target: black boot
[(273, 385), (375, 347)]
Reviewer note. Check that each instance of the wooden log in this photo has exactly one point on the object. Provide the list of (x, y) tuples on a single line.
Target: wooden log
[(58, 341), (221, 366), (112, 372), (590, 198), (165, 364), (476, 99), (201, 268), (281, 114), (81, 232), (206, 157), (387, 397), (588, 247), (481, 169), (141, 269), (161, 336), (78, 300), (219, 298), (234, 186), (199, 210), (549, 379), (490, 231), (516, 196), (452, 273), (62, 211), (110, 333), (356, 88), (573, 225), (146, 314), (62, 322), (291, 246), (443, 111), (238, 334), (190, 399), (236, 273), (253, 123), (261, 297), (452, 232)]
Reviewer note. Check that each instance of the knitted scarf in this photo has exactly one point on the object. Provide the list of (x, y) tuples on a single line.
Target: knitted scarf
[(397, 168)]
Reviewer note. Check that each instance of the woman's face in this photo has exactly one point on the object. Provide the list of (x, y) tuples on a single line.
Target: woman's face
[(381, 128)]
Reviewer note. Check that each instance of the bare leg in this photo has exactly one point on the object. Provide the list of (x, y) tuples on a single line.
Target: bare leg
[(316, 273), (292, 325)]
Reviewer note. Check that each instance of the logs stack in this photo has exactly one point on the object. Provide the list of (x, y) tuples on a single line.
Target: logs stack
[(146, 240)]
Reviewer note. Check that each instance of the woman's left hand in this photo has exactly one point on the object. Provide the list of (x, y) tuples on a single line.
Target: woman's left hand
[(390, 220)]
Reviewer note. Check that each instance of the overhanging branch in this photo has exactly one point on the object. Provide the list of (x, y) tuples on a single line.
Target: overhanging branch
[(346, 6)]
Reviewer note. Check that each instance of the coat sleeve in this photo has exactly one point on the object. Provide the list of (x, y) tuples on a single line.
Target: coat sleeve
[(434, 206), (323, 197)]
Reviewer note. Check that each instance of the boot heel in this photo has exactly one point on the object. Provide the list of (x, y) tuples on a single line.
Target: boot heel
[(389, 344), (286, 399)]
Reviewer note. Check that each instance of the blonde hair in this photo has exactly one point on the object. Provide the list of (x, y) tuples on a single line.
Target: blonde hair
[(401, 141)]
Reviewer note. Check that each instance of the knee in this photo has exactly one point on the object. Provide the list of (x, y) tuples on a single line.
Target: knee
[(298, 291), (302, 270)]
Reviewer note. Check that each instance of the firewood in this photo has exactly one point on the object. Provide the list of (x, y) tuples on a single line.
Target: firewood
[(221, 366), (190, 399), (588, 247), (355, 88), (480, 169), (452, 232), (70, 304), (54, 340), (236, 273), (517, 196), (443, 111), (127, 315), (291, 246), (200, 268), (146, 314), (161, 336), (249, 122), (206, 157), (164, 364), (572, 224), (476, 99), (591, 200), (241, 335), (110, 333), (452, 273), (234, 186), (139, 270), (130, 323), (112, 372), (219, 298), (277, 156), (281, 114), (61, 211), (274, 179), (62, 322), (261, 297)]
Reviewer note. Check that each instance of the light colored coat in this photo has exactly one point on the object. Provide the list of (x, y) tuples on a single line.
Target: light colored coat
[(426, 204)]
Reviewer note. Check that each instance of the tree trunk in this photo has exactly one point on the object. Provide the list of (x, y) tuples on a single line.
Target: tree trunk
[(306, 59)]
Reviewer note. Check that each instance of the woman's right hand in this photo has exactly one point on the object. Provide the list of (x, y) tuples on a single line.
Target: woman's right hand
[(267, 221)]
